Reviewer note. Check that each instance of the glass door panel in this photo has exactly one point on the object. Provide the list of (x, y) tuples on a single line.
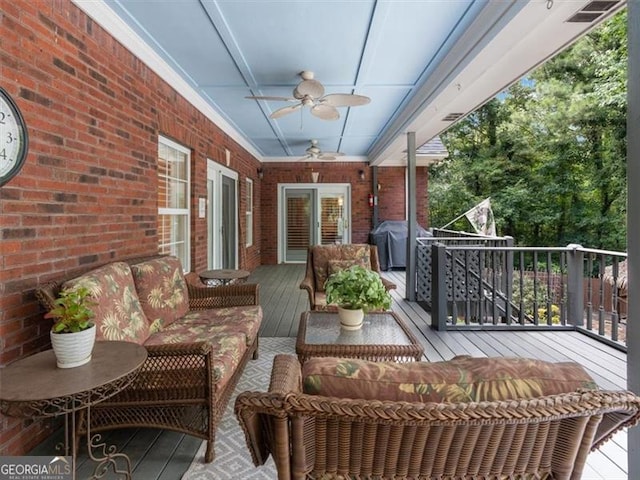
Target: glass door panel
[(299, 224), (332, 222)]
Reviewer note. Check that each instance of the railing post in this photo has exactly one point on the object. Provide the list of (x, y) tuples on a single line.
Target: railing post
[(575, 288), (507, 278), (438, 286)]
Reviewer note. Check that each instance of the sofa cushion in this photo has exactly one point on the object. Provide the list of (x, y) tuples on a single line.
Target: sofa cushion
[(162, 290), (359, 254), (118, 314), (462, 379), (228, 348), (241, 319)]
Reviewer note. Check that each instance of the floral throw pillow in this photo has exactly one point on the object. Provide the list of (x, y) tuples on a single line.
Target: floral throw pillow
[(462, 379), (162, 290), (336, 266), (118, 314)]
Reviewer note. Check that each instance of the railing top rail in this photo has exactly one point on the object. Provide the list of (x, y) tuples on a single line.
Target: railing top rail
[(603, 252), (535, 249), (457, 239)]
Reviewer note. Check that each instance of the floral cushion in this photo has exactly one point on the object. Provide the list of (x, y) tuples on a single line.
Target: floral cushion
[(336, 266), (462, 379), (162, 290), (359, 254), (241, 319), (118, 314), (227, 351)]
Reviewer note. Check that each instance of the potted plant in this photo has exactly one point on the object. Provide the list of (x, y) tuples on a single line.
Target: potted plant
[(356, 290), (72, 334)]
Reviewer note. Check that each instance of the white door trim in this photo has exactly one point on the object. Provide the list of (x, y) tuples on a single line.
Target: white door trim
[(215, 172)]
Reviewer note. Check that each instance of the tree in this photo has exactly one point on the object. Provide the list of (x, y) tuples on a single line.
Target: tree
[(550, 151)]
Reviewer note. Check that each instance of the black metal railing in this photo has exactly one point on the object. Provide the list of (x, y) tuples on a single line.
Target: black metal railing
[(487, 283)]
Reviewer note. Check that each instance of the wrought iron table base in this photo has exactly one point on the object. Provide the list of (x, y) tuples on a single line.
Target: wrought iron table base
[(109, 455)]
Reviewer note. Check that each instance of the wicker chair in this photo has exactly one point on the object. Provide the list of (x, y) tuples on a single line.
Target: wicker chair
[(176, 388), (326, 437), (317, 270)]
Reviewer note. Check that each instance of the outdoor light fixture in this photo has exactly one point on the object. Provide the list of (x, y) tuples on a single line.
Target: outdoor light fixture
[(260, 173), (361, 173)]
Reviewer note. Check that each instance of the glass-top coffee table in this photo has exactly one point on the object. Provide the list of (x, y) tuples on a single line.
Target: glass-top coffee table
[(383, 337)]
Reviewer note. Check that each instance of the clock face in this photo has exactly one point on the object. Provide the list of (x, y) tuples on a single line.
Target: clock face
[(13, 138)]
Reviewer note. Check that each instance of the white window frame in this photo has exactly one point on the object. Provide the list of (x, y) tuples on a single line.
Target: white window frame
[(249, 214), (183, 212)]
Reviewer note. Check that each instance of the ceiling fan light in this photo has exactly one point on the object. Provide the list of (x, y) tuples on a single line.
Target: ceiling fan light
[(312, 88)]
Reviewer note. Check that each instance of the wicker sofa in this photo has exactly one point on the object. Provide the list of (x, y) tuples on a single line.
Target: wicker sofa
[(323, 259), (329, 433), (198, 340)]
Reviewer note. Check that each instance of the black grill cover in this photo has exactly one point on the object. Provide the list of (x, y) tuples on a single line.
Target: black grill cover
[(391, 239)]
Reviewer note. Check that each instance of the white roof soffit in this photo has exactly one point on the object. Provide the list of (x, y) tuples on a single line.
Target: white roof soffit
[(482, 63)]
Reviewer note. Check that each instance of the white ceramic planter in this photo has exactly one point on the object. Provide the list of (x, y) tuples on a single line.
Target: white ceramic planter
[(350, 319), (73, 349)]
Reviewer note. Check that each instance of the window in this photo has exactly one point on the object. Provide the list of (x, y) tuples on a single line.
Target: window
[(249, 212), (173, 200)]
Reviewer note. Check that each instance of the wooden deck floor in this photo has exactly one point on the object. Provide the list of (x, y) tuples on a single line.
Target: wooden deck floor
[(166, 455)]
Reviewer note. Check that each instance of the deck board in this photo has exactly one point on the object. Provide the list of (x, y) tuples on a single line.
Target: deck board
[(167, 455)]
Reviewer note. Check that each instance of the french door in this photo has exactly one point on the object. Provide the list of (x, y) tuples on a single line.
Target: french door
[(222, 216), (312, 215)]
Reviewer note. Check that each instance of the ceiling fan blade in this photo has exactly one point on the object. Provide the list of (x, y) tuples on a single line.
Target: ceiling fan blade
[(280, 99), (345, 100), (313, 88), (325, 112), (330, 155), (281, 112)]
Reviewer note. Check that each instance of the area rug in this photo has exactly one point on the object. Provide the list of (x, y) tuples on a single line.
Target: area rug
[(233, 460)]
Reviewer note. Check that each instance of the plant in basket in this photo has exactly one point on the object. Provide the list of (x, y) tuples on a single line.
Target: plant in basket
[(356, 289), (72, 334)]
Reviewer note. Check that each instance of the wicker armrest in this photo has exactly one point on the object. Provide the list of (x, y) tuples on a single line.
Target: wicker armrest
[(47, 294), (286, 375), (388, 284), (308, 285), (178, 349), (263, 417), (223, 296)]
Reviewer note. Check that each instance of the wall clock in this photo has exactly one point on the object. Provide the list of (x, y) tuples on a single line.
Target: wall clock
[(14, 140)]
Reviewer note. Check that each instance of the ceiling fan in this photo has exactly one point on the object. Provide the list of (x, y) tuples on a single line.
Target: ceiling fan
[(310, 93), (314, 153)]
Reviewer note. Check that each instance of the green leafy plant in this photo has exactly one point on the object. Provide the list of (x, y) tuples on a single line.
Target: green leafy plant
[(72, 311), (357, 287)]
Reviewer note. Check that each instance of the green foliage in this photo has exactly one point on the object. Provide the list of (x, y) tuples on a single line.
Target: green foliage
[(550, 151), (357, 287), (72, 311)]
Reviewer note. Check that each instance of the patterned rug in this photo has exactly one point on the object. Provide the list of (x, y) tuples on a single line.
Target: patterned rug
[(233, 460)]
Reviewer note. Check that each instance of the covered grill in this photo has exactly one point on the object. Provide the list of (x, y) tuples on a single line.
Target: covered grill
[(391, 239)]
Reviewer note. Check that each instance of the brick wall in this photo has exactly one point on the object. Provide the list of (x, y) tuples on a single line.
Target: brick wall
[(392, 194), (391, 201), (87, 193)]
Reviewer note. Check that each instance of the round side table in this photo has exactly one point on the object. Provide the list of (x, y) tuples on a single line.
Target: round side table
[(35, 387), (223, 276)]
